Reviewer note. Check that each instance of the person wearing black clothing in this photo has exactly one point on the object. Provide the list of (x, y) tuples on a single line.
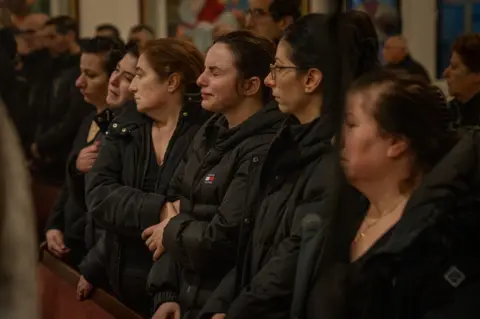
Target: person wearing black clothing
[(127, 186), (269, 18), (292, 180), (66, 224), (395, 53), (211, 186), (56, 106), (463, 80), (403, 246)]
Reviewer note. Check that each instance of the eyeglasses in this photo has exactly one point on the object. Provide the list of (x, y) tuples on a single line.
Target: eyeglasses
[(274, 68), (257, 13)]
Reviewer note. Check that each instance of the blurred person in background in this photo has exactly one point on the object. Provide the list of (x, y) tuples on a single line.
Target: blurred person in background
[(18, 246), (101, 59), (126, 188), (141, 34), (57, 107), (269, 18), (29, 28), (463, 80), (107, 30), (397, 57)]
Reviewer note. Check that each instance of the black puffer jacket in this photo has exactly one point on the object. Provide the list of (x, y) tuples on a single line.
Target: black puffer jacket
[(212, 186), (284, 190), (125, 191), (427, 266), (69, 212)]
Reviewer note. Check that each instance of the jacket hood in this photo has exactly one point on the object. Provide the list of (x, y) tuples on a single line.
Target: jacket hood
[(314, 138), (451, 186), (265, 121)]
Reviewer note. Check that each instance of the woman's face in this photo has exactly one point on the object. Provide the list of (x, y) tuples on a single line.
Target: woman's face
[(93, 79), (219, 83), (366, 153), (120, 80), (287, 86), (149, 91)]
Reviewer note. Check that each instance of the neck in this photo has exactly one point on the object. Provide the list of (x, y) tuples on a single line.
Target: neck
[(385, 196), (240, 113), (167, 115), (310, 111), (464, 98), (101, 108)]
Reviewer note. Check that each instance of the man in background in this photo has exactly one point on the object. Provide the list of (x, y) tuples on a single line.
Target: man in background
[(141, 34), (397, 56), (463, 80), (107, 30), (269, 18)]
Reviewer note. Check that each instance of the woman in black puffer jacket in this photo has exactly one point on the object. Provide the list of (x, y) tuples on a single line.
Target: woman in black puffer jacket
[(128, 184), (201, 242)]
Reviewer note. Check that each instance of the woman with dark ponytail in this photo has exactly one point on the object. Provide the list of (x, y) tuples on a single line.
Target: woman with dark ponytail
[(293, 181)]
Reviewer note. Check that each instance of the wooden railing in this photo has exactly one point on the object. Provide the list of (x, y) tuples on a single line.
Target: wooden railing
[(58, 283)]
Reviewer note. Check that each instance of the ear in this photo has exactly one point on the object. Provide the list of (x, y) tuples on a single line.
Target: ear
[(174, 81), (399, 145), (285, 22), (252, 86), (312, 80)]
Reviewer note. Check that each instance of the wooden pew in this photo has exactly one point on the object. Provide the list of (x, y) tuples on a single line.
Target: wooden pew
[(58, 283)]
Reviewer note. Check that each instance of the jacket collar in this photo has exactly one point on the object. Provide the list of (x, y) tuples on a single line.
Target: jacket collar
[(454, 179)]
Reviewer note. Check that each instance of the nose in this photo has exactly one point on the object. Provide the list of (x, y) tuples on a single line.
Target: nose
[(133, 86), (201, 80), (80, 82), (249, 21), (114, 78), (269, 81)]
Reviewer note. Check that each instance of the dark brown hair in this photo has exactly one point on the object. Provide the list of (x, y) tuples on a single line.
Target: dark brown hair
[(169, 55), (253, 55), (406, 106), (467, 46)]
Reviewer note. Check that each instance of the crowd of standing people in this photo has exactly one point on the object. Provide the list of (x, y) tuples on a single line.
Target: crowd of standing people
[(284, 174)]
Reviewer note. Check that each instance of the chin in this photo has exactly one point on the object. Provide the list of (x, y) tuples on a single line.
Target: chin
[(206, 105), (283, 108)]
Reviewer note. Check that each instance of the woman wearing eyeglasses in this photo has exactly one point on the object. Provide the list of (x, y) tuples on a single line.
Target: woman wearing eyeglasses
[(292, 182)]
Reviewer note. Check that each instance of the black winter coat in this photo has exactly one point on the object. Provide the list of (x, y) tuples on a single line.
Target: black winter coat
[(212, 186), (125, 192), (284, 190), (59, 109), (69, 212), (426, 266)]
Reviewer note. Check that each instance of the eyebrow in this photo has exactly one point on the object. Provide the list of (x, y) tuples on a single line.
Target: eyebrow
[(214, 68)]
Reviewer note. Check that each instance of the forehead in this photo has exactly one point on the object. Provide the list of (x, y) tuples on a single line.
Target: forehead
[(93, 61), (284, 51), (259, 4), (219, 55), (363, 102), (49, 29), (129, 62)]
